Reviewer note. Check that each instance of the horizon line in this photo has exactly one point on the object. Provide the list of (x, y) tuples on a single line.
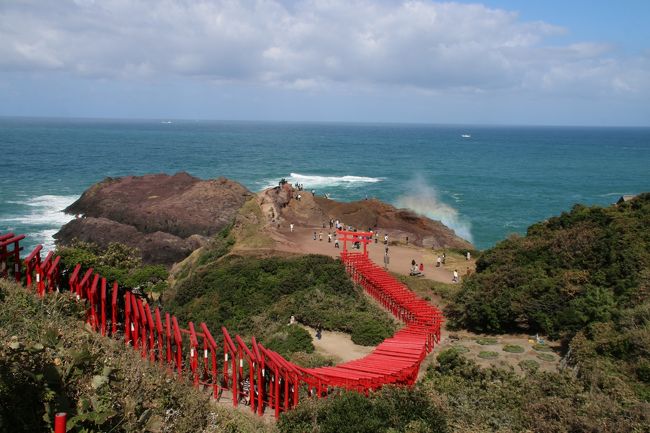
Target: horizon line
[(349, 122)]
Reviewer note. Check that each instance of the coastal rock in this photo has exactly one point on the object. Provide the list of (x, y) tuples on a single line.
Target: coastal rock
[(181, 204), (314, 210), (166, 217)]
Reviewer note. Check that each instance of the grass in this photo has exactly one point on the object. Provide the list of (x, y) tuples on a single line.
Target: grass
[(248, 227), (460, 349), (513, 348), (529, 365), (488, 354), (546, 357), (542, 348), (428, 288), (487, 341)]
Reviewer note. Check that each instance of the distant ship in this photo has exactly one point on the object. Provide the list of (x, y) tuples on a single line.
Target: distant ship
[(466, 136), (166, 121)]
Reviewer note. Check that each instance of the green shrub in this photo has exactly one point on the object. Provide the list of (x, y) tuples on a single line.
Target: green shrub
[(542, 348), (513, 348), (487, 354), (487, 341), (292, 339), (370, 333), (529, 365), (546, 357)]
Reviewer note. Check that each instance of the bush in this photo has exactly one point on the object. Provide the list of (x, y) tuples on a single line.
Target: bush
[(370, 333), (293, 339), (529, 365), (513, 348), (487, 354)]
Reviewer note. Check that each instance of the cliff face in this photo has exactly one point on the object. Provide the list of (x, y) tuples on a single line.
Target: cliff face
[(166, 217)]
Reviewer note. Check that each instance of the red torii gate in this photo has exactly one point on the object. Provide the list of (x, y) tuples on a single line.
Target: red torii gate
[(5, 241), (363, 237)]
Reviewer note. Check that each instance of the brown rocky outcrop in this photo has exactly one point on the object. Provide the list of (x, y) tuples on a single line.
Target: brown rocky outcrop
[(165, 216), (313, 211)]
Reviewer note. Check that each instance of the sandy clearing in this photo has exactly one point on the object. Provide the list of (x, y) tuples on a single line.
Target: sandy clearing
[(338, 345)]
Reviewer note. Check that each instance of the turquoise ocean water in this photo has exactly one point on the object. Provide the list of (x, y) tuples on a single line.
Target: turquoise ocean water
[(498, 181)]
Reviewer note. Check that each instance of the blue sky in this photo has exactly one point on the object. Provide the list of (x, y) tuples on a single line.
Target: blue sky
[(494, 62)]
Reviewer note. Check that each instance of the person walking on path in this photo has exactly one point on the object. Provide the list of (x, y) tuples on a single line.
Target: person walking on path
[(319, 331), (444, 257), (468, 256), (455, 279), (438, 262), (386, 239), (291, 227), (329, 238), (386, 259), (320, 236), (314, 234)]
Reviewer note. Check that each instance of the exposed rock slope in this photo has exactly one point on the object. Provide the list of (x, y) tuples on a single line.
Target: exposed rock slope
[(166, 217)]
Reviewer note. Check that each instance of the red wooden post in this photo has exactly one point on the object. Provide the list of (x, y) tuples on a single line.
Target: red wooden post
[(194, 362), (159, 332), (114, 309), (60, 422), (213, 358), (179, 346), (152, 327), (128, 326), (260, 377), (92, 297), (103, 305), (168, 337)]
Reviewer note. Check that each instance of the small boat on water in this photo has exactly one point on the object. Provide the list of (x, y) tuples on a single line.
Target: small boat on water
[(466, 136)]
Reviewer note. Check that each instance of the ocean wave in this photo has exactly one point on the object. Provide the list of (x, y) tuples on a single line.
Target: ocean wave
[(313, 181), (423, 199), (42, 218)]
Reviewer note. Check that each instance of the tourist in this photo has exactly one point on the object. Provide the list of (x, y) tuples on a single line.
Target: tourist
[(376, 237), (407, 240), (336, 243), (320, 235), (444, 257), (421, 267), (314, 234), (329, 238), (468, 256), (292, 320), (291, 227), (386, 259), (438, 262), (455, 278), (386, 239), (319, 331)]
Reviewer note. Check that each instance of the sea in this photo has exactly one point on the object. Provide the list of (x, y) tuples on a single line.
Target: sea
[(484, 182)]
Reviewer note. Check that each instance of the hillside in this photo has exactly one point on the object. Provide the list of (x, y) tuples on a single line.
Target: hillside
[(50, 362)]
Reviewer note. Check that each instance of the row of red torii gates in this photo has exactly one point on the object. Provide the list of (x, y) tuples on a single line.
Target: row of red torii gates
[(221, 361)]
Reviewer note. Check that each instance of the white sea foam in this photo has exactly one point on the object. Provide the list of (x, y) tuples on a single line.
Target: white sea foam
[(313, 181), (43, 217), (424, 200)]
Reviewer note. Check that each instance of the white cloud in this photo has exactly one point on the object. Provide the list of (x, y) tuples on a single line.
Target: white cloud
[(423, 45)]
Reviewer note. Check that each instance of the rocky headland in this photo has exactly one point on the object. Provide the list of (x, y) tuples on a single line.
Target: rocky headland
[(168, 217)]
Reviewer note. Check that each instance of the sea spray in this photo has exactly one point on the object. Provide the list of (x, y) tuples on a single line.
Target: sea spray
[(424, 200)]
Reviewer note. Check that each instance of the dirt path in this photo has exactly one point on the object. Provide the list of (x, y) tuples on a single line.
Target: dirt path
[(338, 345)]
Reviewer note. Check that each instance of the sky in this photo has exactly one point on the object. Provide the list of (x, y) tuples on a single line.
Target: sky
[(496, 62)]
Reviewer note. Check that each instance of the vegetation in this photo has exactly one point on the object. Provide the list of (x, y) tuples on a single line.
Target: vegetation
[(118, 262), (571, 271), (49, 363), (513, 348), (257, 295)]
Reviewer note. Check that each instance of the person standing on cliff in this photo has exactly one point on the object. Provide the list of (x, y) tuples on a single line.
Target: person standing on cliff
[(468, 256)]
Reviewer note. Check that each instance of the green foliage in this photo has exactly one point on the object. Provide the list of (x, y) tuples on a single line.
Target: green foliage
[(568, 272), (529, 365), (487, 341), (118, 262), (256, 296), (390, 410), (513, 348), (292, 339), (53, 364), (488, 354)]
